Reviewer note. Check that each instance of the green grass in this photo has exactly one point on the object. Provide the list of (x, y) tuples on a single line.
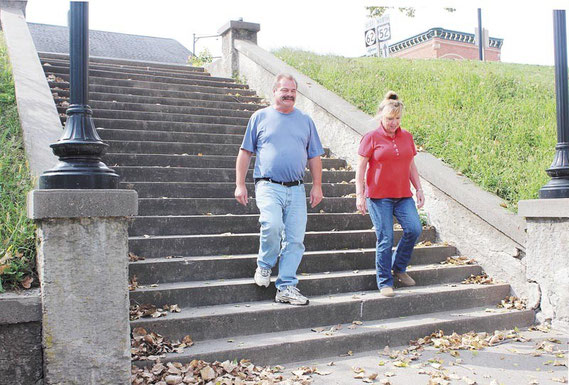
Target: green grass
[(17, 239), (493, 122)]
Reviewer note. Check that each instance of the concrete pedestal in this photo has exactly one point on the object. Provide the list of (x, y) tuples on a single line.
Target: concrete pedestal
[(83, 267), (547, 255), (228, 65)]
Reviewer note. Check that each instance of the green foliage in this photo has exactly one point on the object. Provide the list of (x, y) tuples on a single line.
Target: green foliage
[(202, 59), (374, 11), (17, 239), (493, 122)]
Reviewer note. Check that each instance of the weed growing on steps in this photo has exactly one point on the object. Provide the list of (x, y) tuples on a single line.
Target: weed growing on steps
[(17, 239), (493, 122)]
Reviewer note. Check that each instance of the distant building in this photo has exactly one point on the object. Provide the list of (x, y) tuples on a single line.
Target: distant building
[(55, 38), (440, 43)]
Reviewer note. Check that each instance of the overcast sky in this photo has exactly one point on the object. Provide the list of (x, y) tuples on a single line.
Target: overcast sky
[(317, 25)]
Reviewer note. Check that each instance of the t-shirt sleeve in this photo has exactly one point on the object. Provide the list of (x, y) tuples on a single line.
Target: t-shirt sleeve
[(413, 144), (250, 138), (314, 147), (366, 146)]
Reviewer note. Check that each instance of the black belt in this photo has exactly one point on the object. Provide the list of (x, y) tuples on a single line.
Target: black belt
[(287, 184)]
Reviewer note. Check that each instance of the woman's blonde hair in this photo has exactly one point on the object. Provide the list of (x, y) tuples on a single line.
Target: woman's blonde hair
[(390, 105)]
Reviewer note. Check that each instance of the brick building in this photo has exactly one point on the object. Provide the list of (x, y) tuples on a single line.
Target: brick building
[(440, 43)]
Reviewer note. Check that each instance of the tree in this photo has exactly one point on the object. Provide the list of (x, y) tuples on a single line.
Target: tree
[(375, 11)]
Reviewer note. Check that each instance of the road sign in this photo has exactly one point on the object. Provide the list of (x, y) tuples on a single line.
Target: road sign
[(378, 31)]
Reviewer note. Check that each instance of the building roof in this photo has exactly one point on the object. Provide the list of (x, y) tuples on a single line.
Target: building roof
[(444, 34), (55, 38)]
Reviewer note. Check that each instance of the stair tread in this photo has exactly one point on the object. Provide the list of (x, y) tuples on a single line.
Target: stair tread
[(301, 277), (431, 321)]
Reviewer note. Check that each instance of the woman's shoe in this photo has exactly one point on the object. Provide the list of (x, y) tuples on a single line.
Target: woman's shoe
[(387, 291)]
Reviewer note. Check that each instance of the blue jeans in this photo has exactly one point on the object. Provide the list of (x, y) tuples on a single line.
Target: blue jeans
[(283, 224), (381, 212)]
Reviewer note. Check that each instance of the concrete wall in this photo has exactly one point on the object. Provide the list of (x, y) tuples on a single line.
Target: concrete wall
[(465, 216), (21, 359)]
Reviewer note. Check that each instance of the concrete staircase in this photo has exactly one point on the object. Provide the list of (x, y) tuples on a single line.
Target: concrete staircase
[(174, 132)]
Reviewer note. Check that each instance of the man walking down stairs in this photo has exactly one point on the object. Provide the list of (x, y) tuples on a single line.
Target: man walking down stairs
[(174, 132)]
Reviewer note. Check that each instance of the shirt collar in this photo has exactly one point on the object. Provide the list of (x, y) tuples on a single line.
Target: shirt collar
[(382, 131)]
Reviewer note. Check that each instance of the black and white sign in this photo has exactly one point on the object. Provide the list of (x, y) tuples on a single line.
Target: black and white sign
[(383, 32), (377, 31)]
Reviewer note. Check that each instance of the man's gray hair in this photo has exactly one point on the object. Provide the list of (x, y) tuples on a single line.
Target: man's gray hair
[(283, 76)]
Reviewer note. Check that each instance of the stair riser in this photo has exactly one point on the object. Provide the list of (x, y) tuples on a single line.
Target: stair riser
[(121, 77), (114, 62), (238, 224), (216, 190), (192, 161), (63, 89), (248, 244), (223, 89), (224, 206), (286, 352), (153, 125), (180, 270), (285, 317), (161, 136), (170, 174), (62, 67), (117, 98), (140, 115), (141, 107), (249, 292)]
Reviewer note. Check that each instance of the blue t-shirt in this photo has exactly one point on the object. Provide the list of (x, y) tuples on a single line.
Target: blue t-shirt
[(282, 143)]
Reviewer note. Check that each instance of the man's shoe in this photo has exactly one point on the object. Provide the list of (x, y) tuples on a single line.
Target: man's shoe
[(387, 291), (290, 294), (404, 279), (262, 277)]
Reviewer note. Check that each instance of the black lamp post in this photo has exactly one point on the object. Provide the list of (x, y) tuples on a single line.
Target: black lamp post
[(80, 148), (558, 186)]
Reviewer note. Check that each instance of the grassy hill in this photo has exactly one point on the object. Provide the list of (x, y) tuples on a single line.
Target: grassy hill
[(493, 122), (17, 240)]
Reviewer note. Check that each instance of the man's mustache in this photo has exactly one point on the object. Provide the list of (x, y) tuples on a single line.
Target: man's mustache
[(288, 98)]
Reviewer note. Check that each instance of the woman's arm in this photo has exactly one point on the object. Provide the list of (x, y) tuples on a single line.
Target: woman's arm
[(360, 185), (414, 177)]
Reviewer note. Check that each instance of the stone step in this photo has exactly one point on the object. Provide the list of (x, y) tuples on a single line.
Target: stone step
[(235, 321), (112, 76), (218, 190), (162, 270), (161, 246), (63, 95), (156, 125), (62, 67), (165, 117), (168, 136), (304, 345), (223, 206), (63, 90), (185, 174), (222, 89), (237, 224), (193, 161), (120, 62), (139, 107), (241, 290), (142, 147)]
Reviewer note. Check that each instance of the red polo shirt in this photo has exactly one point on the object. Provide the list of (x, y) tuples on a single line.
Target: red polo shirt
[(389, 161)]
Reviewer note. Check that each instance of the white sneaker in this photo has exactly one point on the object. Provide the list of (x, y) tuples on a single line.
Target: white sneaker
[(262, 277), (290, 294)]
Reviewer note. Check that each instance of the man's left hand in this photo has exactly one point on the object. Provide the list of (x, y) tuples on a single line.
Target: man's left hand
[(315, 195), (420, 198)]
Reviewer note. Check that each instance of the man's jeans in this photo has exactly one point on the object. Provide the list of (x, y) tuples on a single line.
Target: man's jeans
[(381, 212), (283, 217)]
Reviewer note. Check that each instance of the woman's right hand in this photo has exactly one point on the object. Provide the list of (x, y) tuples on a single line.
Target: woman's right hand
[(361, 204)]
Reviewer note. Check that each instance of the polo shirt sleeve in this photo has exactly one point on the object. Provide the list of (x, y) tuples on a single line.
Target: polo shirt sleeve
[(314, 147), (366, 146), (413, 144), (250, 138)]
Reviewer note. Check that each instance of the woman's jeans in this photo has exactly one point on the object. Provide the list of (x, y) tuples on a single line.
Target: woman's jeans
[(283, 224), (381, 212)]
